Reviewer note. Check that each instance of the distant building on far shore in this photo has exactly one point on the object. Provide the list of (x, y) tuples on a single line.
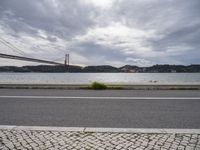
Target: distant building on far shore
[(173, 71)]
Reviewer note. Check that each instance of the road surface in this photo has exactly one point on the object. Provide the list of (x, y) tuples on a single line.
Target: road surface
[(110, 108)]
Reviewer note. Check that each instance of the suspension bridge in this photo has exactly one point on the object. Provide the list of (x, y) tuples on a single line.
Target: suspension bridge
[(25, 58)]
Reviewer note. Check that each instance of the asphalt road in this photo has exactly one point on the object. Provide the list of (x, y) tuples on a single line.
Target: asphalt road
[(117, 108)]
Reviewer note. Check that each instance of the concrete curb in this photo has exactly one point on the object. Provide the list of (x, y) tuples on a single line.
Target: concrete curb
[(103, 130), (91, 97), (110, 86)]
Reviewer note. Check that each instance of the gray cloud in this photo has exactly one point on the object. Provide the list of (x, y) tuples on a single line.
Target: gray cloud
[(140, 32), (100, 54), (62, 18)]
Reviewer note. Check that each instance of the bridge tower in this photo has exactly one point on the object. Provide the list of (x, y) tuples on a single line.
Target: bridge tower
[(67, 60)]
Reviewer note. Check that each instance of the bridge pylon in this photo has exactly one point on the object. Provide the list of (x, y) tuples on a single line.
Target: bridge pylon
[(67, 60)]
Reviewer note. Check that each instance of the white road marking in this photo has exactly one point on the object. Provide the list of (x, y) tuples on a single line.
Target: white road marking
[(88, 129), (73, 97)]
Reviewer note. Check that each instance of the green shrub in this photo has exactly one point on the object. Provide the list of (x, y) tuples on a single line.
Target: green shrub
[(98, 86)]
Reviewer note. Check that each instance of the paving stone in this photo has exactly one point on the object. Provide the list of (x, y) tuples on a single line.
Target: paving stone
[(36, 140)]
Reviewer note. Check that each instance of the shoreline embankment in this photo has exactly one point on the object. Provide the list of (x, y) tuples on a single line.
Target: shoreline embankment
[(109, 86)]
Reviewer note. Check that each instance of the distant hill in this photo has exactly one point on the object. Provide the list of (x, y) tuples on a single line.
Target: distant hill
[(41, 68), (162, 69), (129, 68), (104, 68)]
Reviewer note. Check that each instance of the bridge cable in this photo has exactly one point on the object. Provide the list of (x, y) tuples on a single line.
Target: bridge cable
[(12, 47), (18, 51)]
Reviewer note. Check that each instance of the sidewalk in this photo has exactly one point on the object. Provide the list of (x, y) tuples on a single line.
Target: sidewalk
[(53, 138)]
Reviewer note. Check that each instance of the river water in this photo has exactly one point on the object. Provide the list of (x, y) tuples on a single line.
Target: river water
[(113, 78)]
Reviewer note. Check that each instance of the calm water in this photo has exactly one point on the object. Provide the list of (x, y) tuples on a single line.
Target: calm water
[(84, 78)]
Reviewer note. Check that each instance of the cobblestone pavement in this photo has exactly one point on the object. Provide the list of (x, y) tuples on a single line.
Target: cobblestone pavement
[(61, 140)]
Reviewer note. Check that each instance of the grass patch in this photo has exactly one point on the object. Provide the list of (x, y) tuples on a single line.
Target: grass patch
[(98, 86), (101, 86)]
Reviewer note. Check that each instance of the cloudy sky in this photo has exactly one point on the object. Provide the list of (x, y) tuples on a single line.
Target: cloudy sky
[(102, 32)]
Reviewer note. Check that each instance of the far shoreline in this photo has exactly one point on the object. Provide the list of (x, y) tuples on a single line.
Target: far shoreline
[(195, 68)]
